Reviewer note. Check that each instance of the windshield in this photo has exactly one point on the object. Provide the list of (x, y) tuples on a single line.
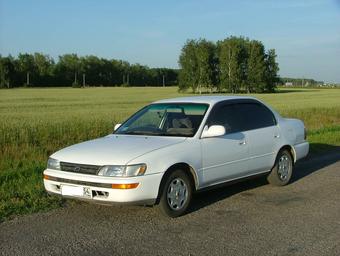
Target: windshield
[(170, 119)]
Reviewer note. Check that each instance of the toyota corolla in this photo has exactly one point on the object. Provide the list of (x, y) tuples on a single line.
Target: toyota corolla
[(172, 148)]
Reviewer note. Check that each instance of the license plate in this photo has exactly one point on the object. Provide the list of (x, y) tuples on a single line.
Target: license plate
[(67, 190)]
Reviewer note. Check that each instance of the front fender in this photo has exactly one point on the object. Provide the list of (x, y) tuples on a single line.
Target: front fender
[(188, 152)]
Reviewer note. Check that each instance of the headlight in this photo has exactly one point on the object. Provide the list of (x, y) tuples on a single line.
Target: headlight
[(122, 170), (53, 164)]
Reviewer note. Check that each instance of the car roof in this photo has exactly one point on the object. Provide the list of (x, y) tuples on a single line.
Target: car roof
[(202, 99)]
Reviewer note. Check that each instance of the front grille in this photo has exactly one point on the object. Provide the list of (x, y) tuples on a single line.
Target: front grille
[(79, 168)]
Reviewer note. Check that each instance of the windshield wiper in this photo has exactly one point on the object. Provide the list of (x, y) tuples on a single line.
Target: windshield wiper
[(142, 133), (178, 135), (146, 133)]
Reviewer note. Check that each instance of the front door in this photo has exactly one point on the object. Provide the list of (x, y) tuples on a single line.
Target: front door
[(225, 157)]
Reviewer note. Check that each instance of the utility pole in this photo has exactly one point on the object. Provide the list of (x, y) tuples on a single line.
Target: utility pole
[(75, 77), (28, 78), (84, 82), (229, 66), (127, 79), (163, 81)]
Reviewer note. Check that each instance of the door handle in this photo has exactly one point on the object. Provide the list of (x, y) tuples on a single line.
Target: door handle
[(242, 142), (276, 136)]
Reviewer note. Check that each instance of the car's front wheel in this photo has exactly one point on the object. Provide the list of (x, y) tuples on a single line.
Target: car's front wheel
[(282, 171), (176, 194)]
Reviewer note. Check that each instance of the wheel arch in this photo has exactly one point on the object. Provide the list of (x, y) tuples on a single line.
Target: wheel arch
[(188, 169), (291, 151)]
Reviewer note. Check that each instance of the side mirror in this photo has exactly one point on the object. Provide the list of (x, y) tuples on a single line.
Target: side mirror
[(213, 131), (117, 126)]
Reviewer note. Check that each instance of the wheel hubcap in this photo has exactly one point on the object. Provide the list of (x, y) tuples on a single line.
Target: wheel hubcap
[(284, 167), (177, 194)]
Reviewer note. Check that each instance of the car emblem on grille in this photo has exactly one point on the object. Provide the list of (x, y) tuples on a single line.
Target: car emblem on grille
[(77, 169)]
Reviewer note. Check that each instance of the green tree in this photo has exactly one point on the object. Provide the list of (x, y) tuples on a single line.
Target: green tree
[(188, 62), (232, 62), (44, 69), (68, 69), (125, 69), (138, 75), (272, 68), (26, 67), (7, 71), (206, 64), (256, 67), (92, 67), (156, 76)]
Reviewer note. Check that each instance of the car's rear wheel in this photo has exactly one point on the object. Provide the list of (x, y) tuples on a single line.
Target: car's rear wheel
[(176, 194), (281, 173)]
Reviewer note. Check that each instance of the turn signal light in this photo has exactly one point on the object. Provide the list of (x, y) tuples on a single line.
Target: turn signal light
[(46, 177), (125, 186)]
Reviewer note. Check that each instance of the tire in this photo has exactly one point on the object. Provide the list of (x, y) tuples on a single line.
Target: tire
[(176, 194), (281, 172)]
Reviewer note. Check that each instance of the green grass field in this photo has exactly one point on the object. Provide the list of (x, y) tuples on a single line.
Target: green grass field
[(37, 122)]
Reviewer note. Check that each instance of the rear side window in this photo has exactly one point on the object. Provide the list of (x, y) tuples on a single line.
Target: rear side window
[(240, 117), (257, 115)]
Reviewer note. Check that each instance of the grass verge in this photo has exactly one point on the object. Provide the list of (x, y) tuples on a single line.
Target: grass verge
[(37, 122)]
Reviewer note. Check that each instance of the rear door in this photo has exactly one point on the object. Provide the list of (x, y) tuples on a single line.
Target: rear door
[(262, 136)]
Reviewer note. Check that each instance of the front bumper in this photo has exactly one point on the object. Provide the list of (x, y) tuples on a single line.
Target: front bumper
[(99, 188)]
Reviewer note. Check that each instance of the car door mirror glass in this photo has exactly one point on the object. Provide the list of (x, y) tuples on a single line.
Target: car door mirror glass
[(213, 131)]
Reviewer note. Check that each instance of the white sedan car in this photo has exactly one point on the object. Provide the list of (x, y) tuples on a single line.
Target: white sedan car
[(171, 148)]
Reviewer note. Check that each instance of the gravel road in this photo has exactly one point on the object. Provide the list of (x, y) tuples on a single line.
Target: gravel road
[(249, 218)]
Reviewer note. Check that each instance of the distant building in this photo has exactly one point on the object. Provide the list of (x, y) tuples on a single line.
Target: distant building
[(288, 84)]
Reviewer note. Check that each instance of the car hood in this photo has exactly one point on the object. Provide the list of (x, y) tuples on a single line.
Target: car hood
[(113, 149)]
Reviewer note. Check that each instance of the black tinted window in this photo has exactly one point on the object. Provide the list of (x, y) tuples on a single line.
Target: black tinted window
[(257, 115), (241, 117), (230, 116)]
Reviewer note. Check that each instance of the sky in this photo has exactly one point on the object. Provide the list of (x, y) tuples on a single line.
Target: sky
[(304, 33)]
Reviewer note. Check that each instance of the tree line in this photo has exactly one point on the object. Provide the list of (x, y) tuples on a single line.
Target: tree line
[(235, 64), (41, 70)]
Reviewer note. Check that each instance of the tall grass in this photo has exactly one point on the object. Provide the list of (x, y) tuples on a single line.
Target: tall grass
[(34, 123)]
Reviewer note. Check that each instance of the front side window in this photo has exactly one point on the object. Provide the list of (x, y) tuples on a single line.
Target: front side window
[(165, 119), (238, 117), (230, 116)]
